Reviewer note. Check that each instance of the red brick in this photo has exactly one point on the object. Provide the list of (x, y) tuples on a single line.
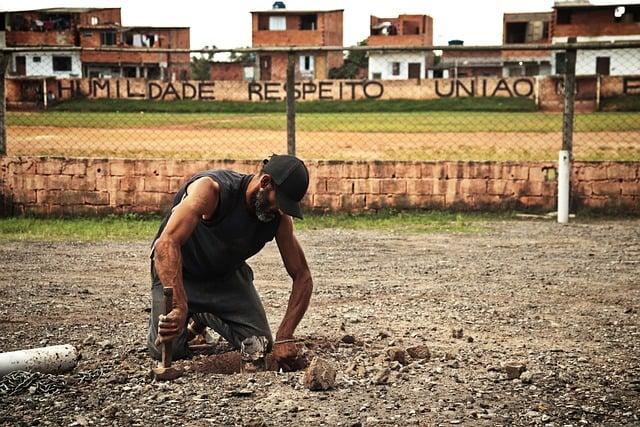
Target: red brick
[(58, 182), (327, 201), (327, 170), (393, 186), (478, 170), (440, 186), (96, 198), (60, 197), (624, 171), (433, 170), (122, 198), (366, 186), (420, 186), (536, 188), (149, 168), (108, 183), (606, 188), (533, 201), (355, 170), (382, 170), (630, 188), (456, 170), (334, 186), (425, 201), (505, 187), (582, 188), (352, 202), (513, 171), (25, 196), (152, 200), (591, 173), (122, 167), (74, 167), (51, 166), (594, 202), (156, 183), (180, 168), (408, 170), (34, 182), (542, 173), (319, 185), (347, 186), (175, 184), (97, 168), (380, 201), (483, 201), (131, 183), (630, 202), (82, 183), (473, 186)]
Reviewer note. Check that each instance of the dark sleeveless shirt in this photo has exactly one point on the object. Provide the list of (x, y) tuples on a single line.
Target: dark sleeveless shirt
[(221, 245)]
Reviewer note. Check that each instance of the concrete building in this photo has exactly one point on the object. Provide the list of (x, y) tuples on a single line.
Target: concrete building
[(526, 28), (404, 30), (282, 27), (90, 28), (476, 63), (149, 65), (587, 22)]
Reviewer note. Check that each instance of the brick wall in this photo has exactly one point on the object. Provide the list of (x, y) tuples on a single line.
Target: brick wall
[(80, 186)]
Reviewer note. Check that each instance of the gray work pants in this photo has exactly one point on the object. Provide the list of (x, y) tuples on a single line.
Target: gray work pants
[(230, 306)]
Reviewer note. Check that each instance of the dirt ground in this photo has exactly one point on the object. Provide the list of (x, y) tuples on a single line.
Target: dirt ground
[(186, 142), (561, 301)]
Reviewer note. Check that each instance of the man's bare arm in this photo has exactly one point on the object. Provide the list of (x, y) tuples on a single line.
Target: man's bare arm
[(296, 265), (201, 201)]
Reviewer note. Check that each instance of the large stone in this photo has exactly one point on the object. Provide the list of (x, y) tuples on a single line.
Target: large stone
[(419, 352), (396, 354), (320, 375), (513, 370)]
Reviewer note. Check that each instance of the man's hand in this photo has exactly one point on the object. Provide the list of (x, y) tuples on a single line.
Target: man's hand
[(170, 326), (286, 355)]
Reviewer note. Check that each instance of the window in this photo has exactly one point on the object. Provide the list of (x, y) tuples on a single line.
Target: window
[(309, 22), (277, 23), (564, 17), (561, 63), (36, 59), (516, 32), (376, 76), (395, 68), (94, 20), (306, 63), (108, 38), (61, 63)]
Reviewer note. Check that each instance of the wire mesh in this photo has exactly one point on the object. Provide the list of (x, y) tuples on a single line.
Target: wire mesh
[(355, 104)]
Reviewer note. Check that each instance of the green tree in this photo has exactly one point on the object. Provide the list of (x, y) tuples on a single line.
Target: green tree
[(243, 57), (201, 65), (354, 62)]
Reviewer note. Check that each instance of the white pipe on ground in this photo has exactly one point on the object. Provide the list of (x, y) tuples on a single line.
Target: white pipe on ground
[(50, 360), (564, 169)]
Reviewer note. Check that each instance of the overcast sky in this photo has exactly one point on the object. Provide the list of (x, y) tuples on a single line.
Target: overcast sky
[(227, 24)]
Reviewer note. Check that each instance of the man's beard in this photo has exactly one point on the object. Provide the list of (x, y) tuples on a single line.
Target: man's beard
[(260, 202)]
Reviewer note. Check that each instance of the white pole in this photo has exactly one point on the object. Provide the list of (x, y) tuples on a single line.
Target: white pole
[(564, 168), (49, 360)]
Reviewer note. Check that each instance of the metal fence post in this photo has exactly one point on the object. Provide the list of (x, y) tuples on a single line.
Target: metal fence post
[(4, 61), (291, 105), (565, 156)]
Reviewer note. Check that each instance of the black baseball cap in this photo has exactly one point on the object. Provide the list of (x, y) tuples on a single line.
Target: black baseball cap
[(291, 180)]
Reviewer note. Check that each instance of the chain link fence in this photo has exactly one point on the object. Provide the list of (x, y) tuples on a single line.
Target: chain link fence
[(449, 103)]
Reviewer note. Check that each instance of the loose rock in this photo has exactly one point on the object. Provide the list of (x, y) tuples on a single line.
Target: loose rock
[(320, 375)]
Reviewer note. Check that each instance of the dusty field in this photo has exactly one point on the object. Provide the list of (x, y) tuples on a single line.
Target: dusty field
[(562, 301), (187, 142)]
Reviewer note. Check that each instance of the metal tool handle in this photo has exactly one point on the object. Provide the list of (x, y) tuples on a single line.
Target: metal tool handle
[(168, 346)]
